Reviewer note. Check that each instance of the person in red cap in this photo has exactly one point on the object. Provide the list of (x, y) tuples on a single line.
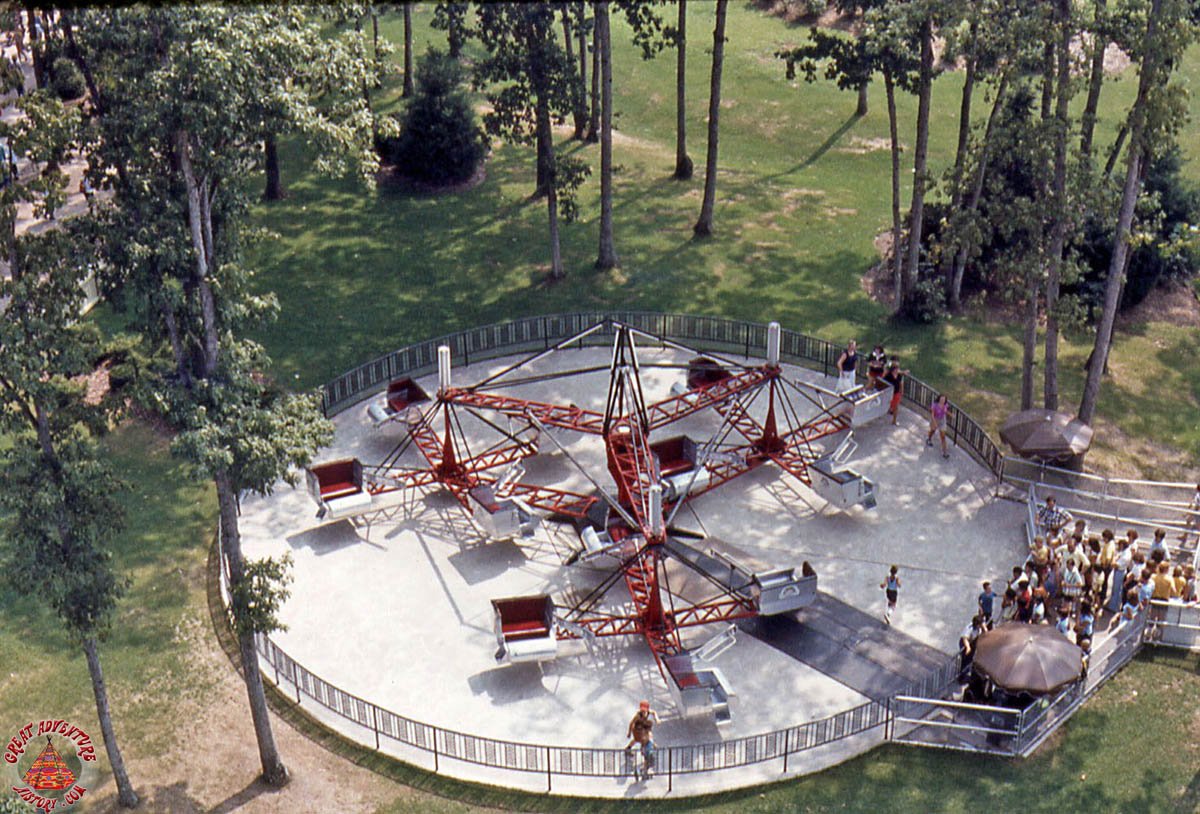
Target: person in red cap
[(640, 732)]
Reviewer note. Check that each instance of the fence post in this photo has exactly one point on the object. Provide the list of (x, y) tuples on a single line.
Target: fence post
[(435, 750), (670, 766), (375, 724), (787, 745), (549, 774)]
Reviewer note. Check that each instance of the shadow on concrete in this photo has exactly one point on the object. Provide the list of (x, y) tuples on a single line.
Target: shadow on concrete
[(326, 539), (849, 646), (483, 562), (509, 684)]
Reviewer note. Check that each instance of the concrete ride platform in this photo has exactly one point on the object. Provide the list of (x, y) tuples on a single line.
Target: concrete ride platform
[(398, 612)]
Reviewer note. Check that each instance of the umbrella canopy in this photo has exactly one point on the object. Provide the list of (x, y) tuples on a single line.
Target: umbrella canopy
[(1028, 658), (1046, 434)]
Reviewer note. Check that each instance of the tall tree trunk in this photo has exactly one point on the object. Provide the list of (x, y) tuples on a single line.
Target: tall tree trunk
[(202, 245), (960, 157), (920, 157), (35, 47), (1048, 79), (1087, 122), (274, 191), (126, 796), (889, 85), (593, 133), (578, 114), (76, 55), (1115, 152), (1058, 198), (583, 67), (683, 162), (862, 108), (1129, 196), (408, 51), (1029, 345), (274, 773), (556, 266), (544, 144), (985, 152), (607, 257), (704, 226)]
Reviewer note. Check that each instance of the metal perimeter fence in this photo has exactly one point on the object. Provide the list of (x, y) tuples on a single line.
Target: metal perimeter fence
[(707, 334)]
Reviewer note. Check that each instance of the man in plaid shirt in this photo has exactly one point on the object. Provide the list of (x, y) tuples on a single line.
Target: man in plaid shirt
[(1051, 519)]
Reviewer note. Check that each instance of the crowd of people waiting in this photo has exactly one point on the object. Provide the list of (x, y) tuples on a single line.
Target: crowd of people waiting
[(1071, 576)]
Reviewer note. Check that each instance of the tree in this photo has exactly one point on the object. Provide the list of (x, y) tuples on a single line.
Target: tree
[(408, 51), (920, 150), (185, 120), (1058, 202), (578, 106), (683, 162), (1087, 121), (1166, 36), (56, 492), (607, 257), (704, 226), (439, 141), (528, 81), (452, 18)]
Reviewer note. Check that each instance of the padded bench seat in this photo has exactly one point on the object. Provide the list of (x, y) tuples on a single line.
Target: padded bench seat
[(516, 631)]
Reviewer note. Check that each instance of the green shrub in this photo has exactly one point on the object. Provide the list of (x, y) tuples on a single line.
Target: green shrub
[(66, 79), (440, 141)]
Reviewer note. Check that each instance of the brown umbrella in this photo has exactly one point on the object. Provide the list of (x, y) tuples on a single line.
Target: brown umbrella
[(1028, 658), (1046, 434)]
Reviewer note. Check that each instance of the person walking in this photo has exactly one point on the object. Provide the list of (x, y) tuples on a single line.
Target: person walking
[(847, 365), (894, 377), (641, 735), (891, 587), (939, 413)]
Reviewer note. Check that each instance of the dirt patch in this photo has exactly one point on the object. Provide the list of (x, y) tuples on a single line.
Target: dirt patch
[(1175, 304), (389, 180), (1119, 455), (856, 145), (1116, 61), (97, 382)]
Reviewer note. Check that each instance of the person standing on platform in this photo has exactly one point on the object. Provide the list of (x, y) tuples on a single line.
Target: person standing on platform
[(939, 414), (891, 587), (987, 604), (894, 377), (847, 365), (875, 365)]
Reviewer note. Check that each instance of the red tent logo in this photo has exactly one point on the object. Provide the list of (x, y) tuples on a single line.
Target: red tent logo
[(49, 771)]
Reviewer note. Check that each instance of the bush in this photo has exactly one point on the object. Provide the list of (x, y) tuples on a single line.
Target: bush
[(927, 302), (66, 79), (440, 142)]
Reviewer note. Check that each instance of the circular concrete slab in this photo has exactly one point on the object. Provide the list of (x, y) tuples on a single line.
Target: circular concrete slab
[(399, 612)]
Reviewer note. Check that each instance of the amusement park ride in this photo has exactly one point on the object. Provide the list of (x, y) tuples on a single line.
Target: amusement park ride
[(630, 522)]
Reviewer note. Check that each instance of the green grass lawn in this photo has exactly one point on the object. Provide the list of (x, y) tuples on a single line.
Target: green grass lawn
[(147, 658), (802, 192)]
